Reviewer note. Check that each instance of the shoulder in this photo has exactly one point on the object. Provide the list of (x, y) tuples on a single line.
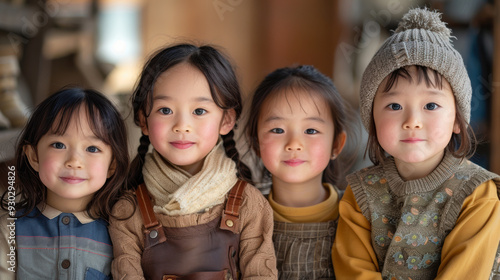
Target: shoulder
[(485, 191), (366, 174), (371, 177), (468, 170), (254, 202), (126, 205), (125, 212), (253, 195), (476, 181)]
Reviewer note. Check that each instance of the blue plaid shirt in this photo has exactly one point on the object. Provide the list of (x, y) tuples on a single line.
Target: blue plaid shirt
[(56, 245)]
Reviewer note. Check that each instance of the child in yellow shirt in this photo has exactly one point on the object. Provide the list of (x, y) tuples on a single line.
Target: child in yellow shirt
[(297, 126), (423, 211)]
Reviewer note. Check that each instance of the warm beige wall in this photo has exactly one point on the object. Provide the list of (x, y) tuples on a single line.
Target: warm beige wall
[(259, 35), (233, 28)]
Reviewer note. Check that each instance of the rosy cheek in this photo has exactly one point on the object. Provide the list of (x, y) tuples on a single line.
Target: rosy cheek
[(156, 127), (264, 142), (267, 150), (321, 150)]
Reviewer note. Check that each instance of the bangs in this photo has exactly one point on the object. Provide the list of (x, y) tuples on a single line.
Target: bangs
[(297, 91), (431, 77), (96, 122)]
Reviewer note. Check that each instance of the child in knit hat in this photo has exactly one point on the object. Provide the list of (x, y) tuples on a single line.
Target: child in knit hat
[(423, 211)]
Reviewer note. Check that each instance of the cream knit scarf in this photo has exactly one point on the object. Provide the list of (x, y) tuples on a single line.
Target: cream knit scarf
[(176, 192)]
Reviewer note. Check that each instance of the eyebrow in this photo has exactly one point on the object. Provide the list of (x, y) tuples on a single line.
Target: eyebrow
[(93, 137), (197, 99), (391, 93), (276, 118)]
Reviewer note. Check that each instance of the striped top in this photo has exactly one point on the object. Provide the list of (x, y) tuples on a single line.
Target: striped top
[(56, 245)]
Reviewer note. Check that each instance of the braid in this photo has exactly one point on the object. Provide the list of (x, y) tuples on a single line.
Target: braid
[(135, 177), (244, 173)]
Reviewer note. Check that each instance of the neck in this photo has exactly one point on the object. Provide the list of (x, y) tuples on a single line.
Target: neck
[(67, 205), (299, 194), (412, 171)]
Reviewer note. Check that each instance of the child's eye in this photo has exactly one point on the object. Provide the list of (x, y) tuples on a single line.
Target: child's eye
[(278, 130), (165, 111), (395, 106), (311, 131), (431, 106), (93, 149), (58, 145), (199, 111)]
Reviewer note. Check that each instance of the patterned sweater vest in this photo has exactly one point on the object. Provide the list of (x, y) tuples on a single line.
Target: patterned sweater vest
[(411, 219)]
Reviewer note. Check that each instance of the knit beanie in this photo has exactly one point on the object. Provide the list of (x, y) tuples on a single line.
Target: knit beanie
[(420, 39)]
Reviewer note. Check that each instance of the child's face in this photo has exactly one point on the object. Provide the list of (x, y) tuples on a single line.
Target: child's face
[(296, 137), (72, 166), (185, 123), (414, 123)]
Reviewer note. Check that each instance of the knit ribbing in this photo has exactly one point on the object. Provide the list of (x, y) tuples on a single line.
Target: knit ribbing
[(421, 39), (428, 183)]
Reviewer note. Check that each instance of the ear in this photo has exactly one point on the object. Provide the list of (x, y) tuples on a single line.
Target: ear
[(30, 153), (228, 121), (456, 127), (143, 123), (338, 144), (111, 169)]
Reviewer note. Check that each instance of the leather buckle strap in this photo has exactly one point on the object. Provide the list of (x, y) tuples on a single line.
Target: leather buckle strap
[(153, 231), (231, 215), (147, 213)]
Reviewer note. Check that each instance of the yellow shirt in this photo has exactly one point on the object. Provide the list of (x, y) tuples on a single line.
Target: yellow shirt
[(322, 212), (468, 251)]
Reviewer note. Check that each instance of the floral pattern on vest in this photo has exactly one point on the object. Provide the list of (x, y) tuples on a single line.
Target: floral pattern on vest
[(411, 219)]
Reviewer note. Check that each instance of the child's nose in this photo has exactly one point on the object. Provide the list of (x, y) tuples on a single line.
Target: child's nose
[(294, 144), (412, 121), (74, 161), (181, 125)]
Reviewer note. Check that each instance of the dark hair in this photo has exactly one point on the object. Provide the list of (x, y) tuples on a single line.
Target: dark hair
[(54, 114), (224, 89), (462, 145), (307, 78)]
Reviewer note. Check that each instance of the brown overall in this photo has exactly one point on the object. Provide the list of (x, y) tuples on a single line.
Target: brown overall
[(206, 251)]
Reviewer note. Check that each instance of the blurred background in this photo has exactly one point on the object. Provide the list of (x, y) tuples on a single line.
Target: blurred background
[(47, 44)]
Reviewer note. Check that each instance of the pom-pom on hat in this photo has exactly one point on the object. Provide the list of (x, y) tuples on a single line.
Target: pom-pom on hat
[(420, 39)]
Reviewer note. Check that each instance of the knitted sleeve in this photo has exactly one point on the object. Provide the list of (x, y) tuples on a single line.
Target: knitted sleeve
[(469, 250), (352, 252), (257, 258), (127, 238)]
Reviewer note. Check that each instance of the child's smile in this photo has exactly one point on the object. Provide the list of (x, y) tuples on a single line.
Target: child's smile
[(185, 123), (296, 135), (414, 122), (73, 166)]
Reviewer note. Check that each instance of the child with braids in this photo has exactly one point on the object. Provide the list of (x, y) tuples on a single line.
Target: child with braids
[(423, 211), (197, 217)]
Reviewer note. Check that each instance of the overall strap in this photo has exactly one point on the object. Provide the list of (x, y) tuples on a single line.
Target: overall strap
[(231, 215), (152, 227), (144, 201)]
